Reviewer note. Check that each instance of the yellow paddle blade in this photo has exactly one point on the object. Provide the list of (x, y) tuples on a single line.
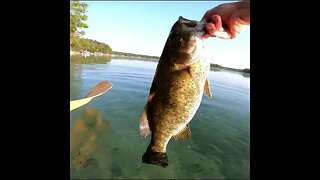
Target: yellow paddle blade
[(96, 91), (78, 103)]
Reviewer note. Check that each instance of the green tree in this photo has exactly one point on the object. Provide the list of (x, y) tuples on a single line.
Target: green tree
[(77, 19)]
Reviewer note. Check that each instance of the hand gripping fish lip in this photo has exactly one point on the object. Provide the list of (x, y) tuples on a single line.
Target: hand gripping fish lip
[(197, 28)]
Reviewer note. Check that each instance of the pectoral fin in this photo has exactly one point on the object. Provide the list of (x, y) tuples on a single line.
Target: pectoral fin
[(207, 88), (193, 75), (183, 134), (187, 67), (144, 123)]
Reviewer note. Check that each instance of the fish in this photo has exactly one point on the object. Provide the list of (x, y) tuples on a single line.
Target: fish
[(179, 82)]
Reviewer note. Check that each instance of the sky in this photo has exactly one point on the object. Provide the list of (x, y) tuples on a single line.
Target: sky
[(143, 27)]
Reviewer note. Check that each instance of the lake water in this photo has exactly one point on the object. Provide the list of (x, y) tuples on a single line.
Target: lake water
[(104, 134)]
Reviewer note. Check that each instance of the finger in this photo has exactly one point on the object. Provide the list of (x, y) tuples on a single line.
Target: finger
[(222, 35), (216, 19), (207, 16), (236, 25), (220, 31), (210, 28), (205, 36)]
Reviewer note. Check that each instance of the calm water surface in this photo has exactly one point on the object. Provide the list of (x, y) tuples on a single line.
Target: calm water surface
[(104, 134)]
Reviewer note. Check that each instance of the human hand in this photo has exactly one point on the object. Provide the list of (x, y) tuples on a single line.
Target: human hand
[(227, 21)]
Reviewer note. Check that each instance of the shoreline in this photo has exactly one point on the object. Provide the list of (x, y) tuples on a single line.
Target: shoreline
[(213, 67), (87, 54)]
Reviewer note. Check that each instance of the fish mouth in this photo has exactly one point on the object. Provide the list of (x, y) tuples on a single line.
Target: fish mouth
[(196, 28), (199, 29)]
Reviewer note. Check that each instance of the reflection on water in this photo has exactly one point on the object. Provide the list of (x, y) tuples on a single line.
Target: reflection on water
[(90, 59), (246, 74), (87, 134), (89, 137)]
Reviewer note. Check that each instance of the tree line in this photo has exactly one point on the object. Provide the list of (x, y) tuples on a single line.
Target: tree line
[(77, 24), (90, 45)]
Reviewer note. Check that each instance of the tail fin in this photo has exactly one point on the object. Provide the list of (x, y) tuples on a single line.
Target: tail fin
[(157, 158)]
